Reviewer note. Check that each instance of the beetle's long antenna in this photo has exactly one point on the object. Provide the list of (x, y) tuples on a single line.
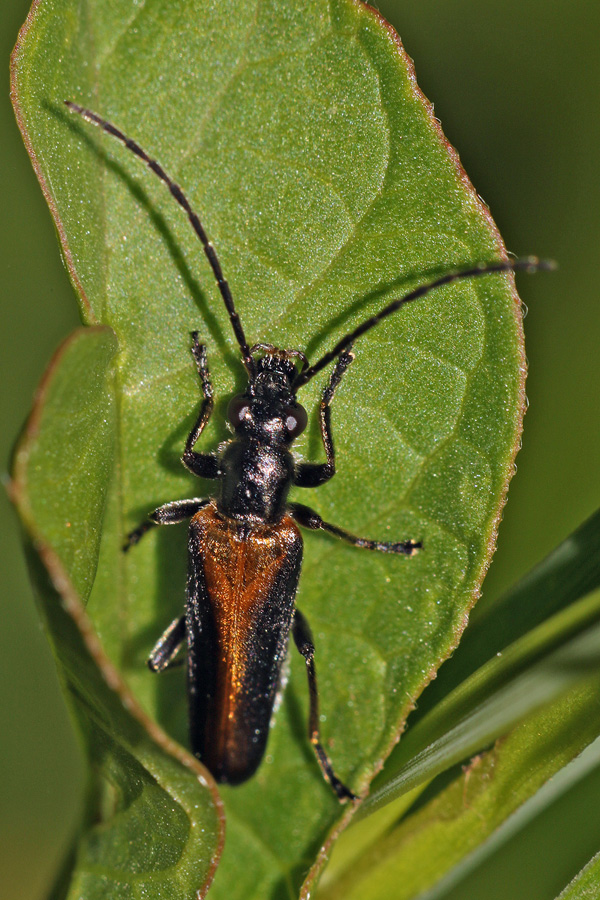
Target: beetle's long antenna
[(180, 197), (529, 264)]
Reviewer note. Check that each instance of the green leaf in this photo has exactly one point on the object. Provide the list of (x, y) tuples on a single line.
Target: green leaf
[(326, 185), (155, 824)]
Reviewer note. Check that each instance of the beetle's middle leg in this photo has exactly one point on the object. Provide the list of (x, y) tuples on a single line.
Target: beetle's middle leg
[(304, 642), (307, 517), (168, 514)]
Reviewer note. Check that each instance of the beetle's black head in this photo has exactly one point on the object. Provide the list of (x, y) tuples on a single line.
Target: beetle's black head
[(268, 410)]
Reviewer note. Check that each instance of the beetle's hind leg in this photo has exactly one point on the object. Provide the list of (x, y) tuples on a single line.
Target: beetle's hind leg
[(307, 517), (304, 643), (167, 647), (167, 514)]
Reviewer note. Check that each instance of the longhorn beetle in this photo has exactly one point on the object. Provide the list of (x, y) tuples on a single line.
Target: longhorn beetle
[(245, 548)]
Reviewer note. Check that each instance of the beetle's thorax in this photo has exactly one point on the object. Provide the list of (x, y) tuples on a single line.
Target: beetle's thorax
[(258, 466), (256, 482)]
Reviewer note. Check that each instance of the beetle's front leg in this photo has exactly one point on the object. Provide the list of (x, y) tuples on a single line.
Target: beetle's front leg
[(307, 517), (314, 474), (205, 465), (167, 514)]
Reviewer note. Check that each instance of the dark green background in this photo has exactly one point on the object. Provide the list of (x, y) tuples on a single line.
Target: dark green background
[(517, 87)]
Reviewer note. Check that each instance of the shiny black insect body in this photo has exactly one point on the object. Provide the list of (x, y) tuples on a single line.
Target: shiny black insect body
[(245, 547)]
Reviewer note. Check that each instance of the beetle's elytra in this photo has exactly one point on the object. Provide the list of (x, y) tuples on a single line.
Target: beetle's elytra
[(245, 547)]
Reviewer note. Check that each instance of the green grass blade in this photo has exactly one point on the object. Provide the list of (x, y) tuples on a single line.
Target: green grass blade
[(568, 573), (586, 884), (539, 830), (554, 585), (530, 673), (459, 823)]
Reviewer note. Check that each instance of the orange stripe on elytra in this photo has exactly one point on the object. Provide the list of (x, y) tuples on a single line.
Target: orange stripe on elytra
[(239, 573)]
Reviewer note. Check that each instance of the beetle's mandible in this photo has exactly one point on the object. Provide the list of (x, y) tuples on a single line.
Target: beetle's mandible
[(245, 547)]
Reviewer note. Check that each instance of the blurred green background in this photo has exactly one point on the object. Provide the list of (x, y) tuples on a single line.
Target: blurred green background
[(517, 88)]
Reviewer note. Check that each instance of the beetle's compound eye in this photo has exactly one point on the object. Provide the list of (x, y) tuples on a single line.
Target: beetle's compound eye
[(238, 409), (296, 420)]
